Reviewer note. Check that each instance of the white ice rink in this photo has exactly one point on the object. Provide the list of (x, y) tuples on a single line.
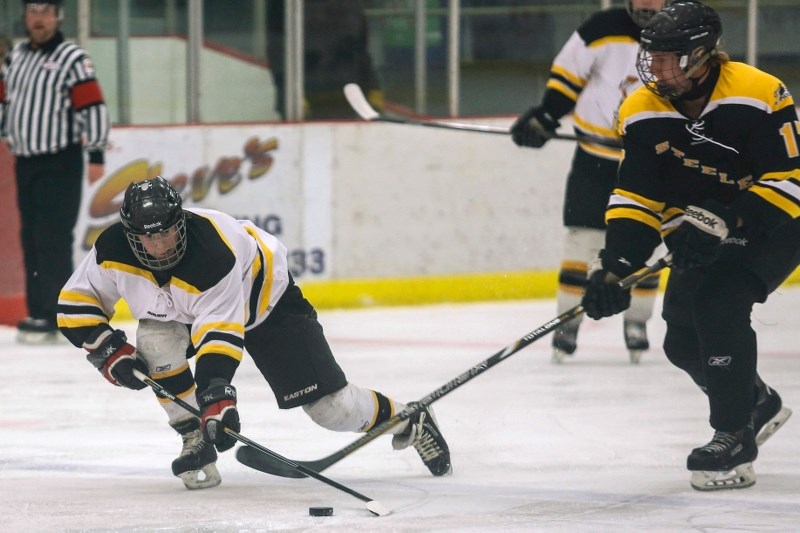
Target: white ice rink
[(595, 444)]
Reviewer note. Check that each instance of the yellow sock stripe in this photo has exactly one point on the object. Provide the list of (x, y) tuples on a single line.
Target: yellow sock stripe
[(182, 395), (377, 411)]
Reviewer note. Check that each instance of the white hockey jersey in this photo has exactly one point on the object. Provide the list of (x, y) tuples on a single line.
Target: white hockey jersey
[(594, 72), (230, 278)]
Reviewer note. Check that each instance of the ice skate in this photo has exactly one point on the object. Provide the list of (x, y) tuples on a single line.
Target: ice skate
[(565, 341), (423, 433), (724, 463), (769, 414), (35, 331), (636, 340), (197, 457)]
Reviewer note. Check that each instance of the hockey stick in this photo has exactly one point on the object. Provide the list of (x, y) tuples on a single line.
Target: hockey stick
[(265, 463), (357, 100), (374, 506)]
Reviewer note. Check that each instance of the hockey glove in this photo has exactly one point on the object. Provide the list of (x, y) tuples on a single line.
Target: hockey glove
[(694, 243), (533, 128), (111, 354), (218, 411), (603, 296)]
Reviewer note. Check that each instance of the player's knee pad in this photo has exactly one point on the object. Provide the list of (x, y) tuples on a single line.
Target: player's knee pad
[(162, 344), (724, 299), (351, 408), (682, 348)]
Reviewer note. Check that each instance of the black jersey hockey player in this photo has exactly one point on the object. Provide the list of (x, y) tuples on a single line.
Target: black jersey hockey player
[(203, 284), (711, 164), (590, 76)]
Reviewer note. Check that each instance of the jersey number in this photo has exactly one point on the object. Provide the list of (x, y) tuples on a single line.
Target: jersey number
[(789, 137)]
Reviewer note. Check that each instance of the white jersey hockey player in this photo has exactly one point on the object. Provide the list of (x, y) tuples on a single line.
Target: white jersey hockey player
[(591, 76), (202, 284)]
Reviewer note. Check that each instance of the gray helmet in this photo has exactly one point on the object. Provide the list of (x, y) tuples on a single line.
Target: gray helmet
[(57, 3), (153, 208), (640, 16)]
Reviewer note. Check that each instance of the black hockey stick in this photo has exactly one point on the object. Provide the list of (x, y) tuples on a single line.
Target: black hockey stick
[(374, 506), (357, 100), (252, 458)]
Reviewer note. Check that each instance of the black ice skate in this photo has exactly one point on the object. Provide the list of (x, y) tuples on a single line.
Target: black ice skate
[(565, 341), (197, 456), (769, 414), (636, 339), (423, 432), (724, 463), (39, 331)]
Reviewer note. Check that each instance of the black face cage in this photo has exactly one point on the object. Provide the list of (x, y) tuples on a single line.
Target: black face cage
[(172, 258), (643, 62), (687, 61)]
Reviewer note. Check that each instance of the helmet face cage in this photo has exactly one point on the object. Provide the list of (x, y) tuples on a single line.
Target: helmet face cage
[(154, 223), (690, 31), (172, 241)]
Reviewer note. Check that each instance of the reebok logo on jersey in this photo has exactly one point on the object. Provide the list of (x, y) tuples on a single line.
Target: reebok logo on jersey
[(735, 241), (719, 360)]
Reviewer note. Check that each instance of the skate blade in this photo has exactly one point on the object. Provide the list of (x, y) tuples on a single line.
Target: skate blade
[(192, 480), (559, 356), (34, 338), (773, 425), (741, 477), (635, 356)]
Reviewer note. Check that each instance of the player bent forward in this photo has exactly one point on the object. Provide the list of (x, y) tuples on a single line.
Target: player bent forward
[(711, 164), (202, 283)]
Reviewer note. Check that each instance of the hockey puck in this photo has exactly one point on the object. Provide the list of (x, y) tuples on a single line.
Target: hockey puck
[(320, 511)]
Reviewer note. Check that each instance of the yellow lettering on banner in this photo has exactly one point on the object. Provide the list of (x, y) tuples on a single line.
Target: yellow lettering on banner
[(227, 173)]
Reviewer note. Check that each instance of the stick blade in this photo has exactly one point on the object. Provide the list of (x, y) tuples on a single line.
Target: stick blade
[(377, 508), (357, 100), (256, 460)]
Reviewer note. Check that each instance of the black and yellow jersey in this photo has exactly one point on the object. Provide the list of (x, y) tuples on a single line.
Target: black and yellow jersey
[(742, 151), (228, 281), (592, 74)]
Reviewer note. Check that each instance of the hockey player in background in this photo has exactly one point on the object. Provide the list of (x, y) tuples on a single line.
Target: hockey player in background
[(204, 284), (712, 165), (592, 74)]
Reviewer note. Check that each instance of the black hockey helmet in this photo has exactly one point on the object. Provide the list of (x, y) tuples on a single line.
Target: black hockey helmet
[(152, 208), (687, 28)]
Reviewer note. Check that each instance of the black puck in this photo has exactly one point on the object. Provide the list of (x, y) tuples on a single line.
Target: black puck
[(320, 511)]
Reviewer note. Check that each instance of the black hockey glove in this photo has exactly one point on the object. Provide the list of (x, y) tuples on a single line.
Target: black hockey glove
[(533, 128), (603, 296), (111, 354), (218, 411), (694, 243)]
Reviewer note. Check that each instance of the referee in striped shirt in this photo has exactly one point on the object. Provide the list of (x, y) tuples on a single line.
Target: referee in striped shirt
[(51, 109)]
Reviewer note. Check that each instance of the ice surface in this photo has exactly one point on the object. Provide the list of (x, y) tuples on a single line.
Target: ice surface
[(595, 444)]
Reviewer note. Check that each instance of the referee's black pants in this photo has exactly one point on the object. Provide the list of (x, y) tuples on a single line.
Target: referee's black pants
[(49, 198)]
